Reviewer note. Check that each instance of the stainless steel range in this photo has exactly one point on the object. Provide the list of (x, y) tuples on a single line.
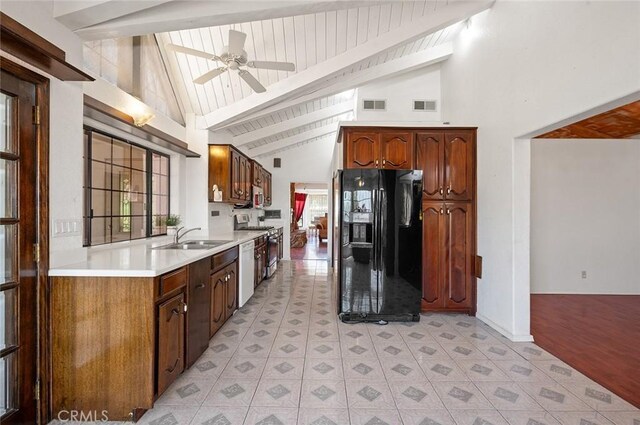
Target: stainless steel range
[(241, 223)]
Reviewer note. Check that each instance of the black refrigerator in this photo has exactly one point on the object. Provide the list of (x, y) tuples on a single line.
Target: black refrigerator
[(380, 256)]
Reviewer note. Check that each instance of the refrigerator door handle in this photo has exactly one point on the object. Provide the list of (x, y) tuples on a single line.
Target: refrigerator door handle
[(380, 229), (374, 250)]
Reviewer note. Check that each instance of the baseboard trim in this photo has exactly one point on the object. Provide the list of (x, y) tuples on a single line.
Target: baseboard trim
[(503, 331)]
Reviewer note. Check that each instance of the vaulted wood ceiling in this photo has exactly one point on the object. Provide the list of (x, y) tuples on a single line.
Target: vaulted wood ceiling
[(335, 45)]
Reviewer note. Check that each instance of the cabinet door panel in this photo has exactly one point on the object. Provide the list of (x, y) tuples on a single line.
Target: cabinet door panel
[(458, 251), (217, 301), (247, 180), (432, 255), (363, 150), (257, 174), (170, 341), (198, 300), (232, 289), (236, 178), (430, 159), (396, 150), (459, 165)]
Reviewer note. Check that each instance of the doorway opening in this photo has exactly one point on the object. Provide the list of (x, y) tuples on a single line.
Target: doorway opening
[(309, 222)]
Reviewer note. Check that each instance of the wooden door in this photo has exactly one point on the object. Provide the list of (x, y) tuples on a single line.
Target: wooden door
[(362, 150), (459, 162), (231, 289), (458, 251), (19, 229), (430, 159), (396, 150), (218, 317), (170, 341), (432, 255), (198, 300)]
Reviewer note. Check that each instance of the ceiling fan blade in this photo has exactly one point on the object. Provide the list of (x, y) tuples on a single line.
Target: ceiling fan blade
[(278, 66), (209, 75), (251, 80), (236, 42), (189, 51)]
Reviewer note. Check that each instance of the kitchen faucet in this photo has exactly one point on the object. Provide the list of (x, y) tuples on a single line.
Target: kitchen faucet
[(178, 235)]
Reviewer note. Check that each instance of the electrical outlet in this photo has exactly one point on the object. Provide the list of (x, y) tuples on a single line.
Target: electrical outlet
[(584, 274)]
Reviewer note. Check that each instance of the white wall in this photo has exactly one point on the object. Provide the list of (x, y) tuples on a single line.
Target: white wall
[(310, 163), (585, 215), (400, 92), (65, 127), (518, 67)]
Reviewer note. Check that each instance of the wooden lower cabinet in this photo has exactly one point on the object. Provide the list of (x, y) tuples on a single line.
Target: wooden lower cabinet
[(224, 295), (170, 341), (231, 290), (121, 353), (198, 313), (448, 253), (218, 301)]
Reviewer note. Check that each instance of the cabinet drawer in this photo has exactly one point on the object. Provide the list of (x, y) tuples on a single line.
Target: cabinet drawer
[(173, 280), (224, 258)]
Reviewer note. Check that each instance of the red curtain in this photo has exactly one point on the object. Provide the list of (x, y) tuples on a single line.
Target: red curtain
[(300, 200)]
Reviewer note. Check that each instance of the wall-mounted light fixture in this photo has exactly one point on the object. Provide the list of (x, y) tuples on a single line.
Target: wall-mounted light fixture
[(139, 112)]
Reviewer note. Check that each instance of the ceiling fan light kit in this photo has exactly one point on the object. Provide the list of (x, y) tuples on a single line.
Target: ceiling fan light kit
[(234, 57)]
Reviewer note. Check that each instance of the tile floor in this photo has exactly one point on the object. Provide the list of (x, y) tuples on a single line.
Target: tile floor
[(285, 359)]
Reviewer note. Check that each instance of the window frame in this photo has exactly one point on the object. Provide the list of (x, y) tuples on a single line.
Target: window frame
[(88, 187)]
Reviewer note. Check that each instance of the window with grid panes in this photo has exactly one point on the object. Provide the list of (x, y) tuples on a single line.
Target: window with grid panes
[(126, 190)]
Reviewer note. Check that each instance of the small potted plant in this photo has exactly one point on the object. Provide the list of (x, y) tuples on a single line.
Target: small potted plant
[(173, 221)]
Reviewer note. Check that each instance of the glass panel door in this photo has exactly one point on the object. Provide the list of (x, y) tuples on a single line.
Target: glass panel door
[(9, 289)]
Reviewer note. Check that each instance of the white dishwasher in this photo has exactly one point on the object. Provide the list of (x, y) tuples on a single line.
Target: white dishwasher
[(245, 287)]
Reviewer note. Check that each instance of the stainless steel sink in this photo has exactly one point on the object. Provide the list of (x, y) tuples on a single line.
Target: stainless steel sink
[(195, 244)]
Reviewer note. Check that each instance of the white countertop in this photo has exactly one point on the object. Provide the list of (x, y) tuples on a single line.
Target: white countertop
[(138, 259)]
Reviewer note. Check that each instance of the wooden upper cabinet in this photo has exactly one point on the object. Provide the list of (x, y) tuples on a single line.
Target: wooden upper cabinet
[(458, 247), (430, 159), (362, 150), (432, 255), (230, 172), (459, 160), (247, 179), (236, 174), (396, 150), (267, 188), (170, 341), (256, 174)]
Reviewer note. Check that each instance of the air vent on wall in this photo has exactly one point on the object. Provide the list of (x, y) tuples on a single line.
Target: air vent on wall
[(374, 105), (277, 162), (424, 105)]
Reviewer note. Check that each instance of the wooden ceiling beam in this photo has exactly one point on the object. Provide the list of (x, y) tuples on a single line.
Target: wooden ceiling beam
[(328, 70), (294, 123), (292, 140), (76, 15), (188, 14), (395, 67)]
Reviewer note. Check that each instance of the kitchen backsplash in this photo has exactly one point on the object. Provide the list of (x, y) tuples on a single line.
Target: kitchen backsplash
[(223, 223)]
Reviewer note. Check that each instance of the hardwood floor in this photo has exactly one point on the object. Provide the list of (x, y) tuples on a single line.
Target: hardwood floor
[(599, 335), (313, 250)]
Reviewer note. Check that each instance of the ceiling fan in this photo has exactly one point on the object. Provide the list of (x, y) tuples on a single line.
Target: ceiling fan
[(233, 57)]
